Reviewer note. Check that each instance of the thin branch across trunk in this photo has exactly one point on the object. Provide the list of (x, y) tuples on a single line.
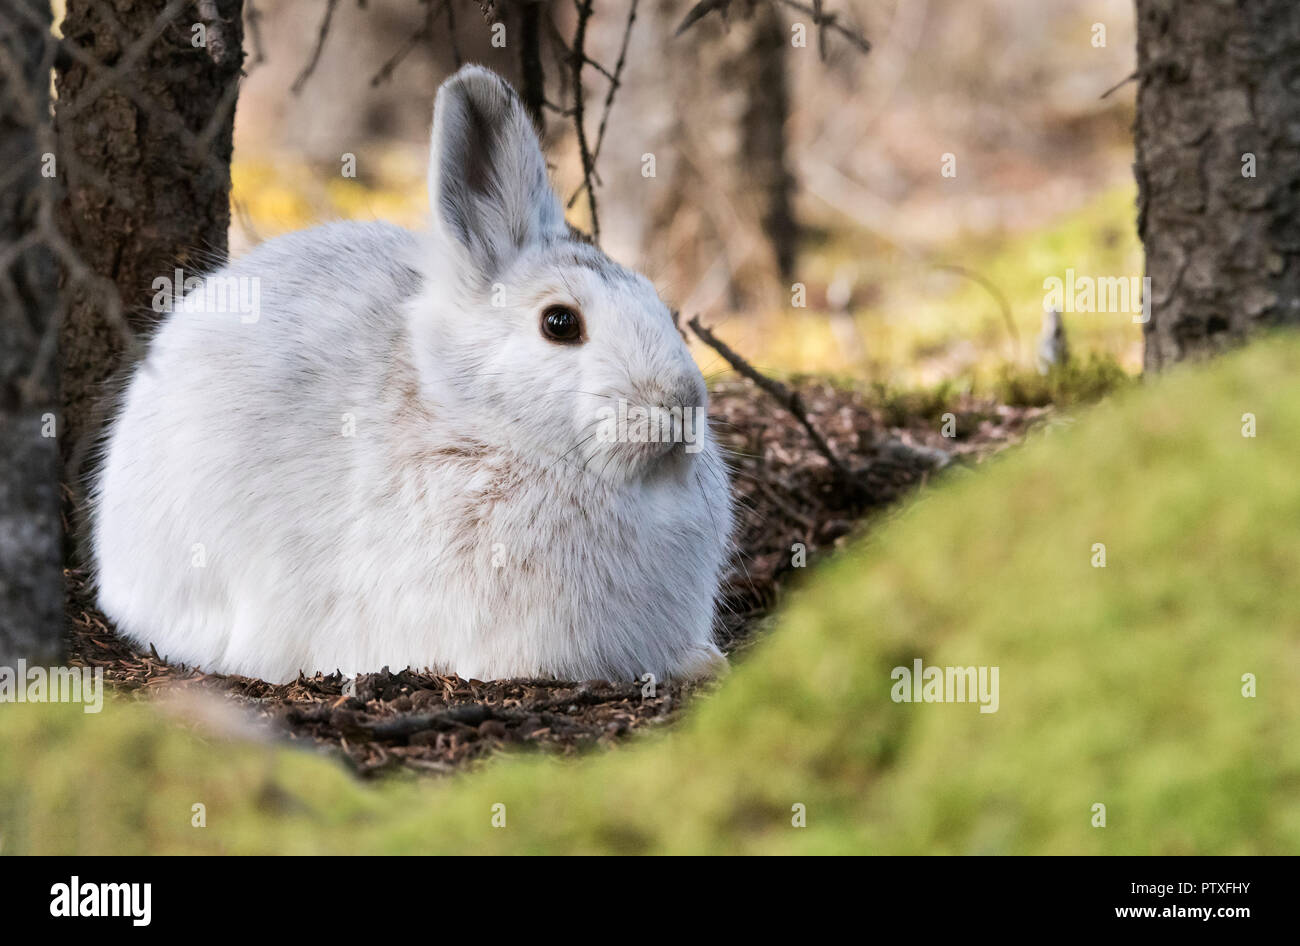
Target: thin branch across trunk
[(786, 397)]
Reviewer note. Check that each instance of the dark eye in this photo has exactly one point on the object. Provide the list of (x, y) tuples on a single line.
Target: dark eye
[(562, 324)]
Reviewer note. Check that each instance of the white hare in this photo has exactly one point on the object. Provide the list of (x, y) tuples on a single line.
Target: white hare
[(403, 455)]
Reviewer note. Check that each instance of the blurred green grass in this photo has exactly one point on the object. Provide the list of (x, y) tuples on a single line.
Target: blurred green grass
[(1119, 685)]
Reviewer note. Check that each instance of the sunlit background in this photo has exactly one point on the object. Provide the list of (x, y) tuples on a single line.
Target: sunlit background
[(908, 275)]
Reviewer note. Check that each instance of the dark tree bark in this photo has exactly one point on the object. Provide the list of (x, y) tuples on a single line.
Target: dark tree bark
[(730, 190), (532, 80), (31, 577), (766, 159), (1218, 100), (144, 121)]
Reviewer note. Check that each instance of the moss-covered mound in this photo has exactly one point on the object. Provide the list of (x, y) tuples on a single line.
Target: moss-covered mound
[(1127, 686)]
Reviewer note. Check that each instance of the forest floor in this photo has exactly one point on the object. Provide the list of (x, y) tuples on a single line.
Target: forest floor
[(788, 494)]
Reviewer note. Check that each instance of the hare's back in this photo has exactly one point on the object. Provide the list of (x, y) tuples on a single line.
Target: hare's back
[(342, 284), (295, 325), (254, 409)]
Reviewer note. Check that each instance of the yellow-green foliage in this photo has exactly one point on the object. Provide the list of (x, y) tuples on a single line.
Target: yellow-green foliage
[(1078, 381), (1119, 685), (922, 323), (919, 323), (274, 195)]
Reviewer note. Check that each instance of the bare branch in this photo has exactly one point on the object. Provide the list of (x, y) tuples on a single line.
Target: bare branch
[(700, 11), (821, 29), (422, 35), (1131, 77), (991, 288), (577, 60), (254, 18), (829, 21), (821, 19), (451, 31), (784, 396), (615, 80), (324, 32)]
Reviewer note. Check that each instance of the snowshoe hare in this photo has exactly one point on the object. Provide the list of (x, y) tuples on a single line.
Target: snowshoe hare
[(425, 450)]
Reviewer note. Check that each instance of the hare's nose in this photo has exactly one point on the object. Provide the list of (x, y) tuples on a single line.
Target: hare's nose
[(690, 390), (679, 392)]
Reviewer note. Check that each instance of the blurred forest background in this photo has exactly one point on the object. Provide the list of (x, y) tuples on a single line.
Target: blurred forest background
[(866, 197), (909, 275)]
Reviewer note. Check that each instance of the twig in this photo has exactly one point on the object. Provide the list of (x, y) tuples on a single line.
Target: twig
[(423, 34), (991, 288), (830, 20), (784, 396), (615, 80), (308, 69), (699, 12), (821, 19), (600, 67), (821, 30), (451, 32), (254, 18), (403, 727), (578, 59), (1120, 84)]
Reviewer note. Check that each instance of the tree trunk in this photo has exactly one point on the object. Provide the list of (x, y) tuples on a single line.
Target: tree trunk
[(532, 79), (727, 201), (31, 577), (1218, 170), (765, 165), (145, 157)]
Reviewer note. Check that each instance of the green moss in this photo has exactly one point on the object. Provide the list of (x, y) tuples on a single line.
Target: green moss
[(902, 406), (1068, 385), (1119, 685)]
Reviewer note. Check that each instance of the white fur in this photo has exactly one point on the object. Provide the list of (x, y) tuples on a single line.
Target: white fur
[(469, 523)]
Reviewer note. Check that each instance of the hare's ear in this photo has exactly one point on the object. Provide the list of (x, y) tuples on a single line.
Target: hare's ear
[(487, 178)]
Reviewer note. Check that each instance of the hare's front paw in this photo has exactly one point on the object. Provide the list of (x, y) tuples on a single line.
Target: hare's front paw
[(702, 663)]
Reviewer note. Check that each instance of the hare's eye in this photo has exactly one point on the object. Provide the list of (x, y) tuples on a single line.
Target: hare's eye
[(562, 324)]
